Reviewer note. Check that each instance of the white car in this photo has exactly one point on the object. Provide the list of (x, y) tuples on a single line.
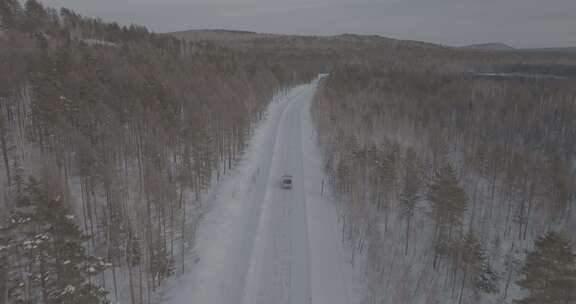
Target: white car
[(286, 181)]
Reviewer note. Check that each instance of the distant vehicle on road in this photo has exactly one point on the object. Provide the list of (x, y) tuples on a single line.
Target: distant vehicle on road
[(286, 181)]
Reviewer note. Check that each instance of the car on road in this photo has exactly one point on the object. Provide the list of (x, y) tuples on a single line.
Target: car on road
[(286, 181)]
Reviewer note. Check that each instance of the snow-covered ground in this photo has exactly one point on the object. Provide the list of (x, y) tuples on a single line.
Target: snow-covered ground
[(261, 244)]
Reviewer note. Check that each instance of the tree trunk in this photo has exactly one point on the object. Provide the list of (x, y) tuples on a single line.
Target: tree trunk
[(463, 285), (407, 233), (183, 231), (4, 148), (43, 281)]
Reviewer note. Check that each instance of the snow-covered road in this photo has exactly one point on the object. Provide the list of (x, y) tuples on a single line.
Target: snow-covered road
[(261, 244)]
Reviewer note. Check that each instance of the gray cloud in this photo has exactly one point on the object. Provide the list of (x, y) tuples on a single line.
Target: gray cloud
[(522, 23)]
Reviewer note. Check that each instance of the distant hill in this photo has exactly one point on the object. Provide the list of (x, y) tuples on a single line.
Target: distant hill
[(493, 46), (498, 46), (235, 38), (553, 50), (376, 39), (218, 35)]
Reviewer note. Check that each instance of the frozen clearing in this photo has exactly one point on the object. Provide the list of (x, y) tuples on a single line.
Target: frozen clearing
[(261, 244)]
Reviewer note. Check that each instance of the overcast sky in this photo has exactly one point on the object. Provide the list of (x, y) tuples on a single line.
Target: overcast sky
[(520, 23)]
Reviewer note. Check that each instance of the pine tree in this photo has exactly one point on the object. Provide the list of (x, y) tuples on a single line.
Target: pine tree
[(72, 265), (162, 265), (35, 16), (10, 13), (5, 276), (477, 271), (342, 177), (512, 267), (549, 274), (410, 193), (486, 278), (12, 283), (449, 202), (50, 244), (560, 185), (134, 253), (386, 164)]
